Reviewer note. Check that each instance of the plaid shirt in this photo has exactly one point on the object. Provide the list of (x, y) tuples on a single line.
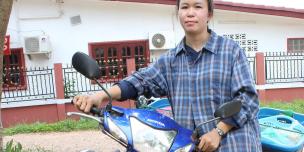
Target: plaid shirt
[(197, 86)]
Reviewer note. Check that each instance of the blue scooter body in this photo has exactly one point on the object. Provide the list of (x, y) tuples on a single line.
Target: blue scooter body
[(153, 121)]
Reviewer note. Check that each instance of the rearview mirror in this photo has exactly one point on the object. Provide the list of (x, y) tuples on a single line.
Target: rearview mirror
[(228, 109), (86, 66)]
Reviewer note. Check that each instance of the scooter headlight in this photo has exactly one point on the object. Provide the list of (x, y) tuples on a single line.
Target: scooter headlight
[(187, 148), (148, 138), (116, 131)]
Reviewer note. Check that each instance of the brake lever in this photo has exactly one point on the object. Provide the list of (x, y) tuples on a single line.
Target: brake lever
[(195, 137)]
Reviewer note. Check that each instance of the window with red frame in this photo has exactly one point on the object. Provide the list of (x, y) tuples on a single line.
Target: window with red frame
[(14, 70), (295, 45), (112, 57)]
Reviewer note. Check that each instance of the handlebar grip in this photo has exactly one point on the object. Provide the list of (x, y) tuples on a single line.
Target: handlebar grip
[(94, 110)]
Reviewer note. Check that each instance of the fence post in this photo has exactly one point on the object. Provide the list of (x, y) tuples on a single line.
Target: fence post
[(260, 74), (59, 85), (59, 81), (131, 66), (260, 68)]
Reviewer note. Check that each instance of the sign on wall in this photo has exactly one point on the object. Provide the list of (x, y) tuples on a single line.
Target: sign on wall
[(6, 47)]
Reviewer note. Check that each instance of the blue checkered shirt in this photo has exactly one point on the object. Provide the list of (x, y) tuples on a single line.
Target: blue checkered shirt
[(196, 86)]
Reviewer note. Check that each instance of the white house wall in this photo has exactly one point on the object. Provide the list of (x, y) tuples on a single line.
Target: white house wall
[(101, 21), (270, 31), (119, 21)]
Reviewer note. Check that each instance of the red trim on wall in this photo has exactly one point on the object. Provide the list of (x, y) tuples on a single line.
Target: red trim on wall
[(169, 2), (239, 7), (260, 9)]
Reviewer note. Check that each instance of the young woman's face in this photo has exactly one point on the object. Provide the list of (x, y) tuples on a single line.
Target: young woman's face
[(194, 15)]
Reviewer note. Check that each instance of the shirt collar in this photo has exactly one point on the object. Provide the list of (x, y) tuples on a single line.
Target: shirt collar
[(210, 45)]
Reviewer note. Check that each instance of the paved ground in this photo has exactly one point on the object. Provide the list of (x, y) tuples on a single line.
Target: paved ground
[(68, 141)]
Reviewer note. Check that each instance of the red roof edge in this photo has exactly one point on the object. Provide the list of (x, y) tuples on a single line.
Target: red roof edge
[(260, 9), (239, 7), (168, 2)]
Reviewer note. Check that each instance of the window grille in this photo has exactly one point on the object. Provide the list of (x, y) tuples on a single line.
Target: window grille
[(248, 45), (295, 45)]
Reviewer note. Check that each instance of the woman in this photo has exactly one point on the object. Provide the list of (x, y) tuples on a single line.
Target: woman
[(202, 72)]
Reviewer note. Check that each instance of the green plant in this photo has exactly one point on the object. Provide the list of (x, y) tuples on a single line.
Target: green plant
[(69, 88), (296, 106), (62, 126), (11, 147)]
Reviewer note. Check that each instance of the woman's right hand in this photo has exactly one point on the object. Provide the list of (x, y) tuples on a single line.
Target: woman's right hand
[(84, 103)]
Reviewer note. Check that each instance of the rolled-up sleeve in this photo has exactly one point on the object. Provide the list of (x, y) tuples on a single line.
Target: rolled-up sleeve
[(127, 90), (150, 81), (242, 86)]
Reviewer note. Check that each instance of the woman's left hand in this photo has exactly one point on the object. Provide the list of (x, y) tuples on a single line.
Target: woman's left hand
[(210, 141)]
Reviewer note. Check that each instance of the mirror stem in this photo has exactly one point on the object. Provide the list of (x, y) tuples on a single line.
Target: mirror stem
[(109, 105), (214, 119), (196, 131)]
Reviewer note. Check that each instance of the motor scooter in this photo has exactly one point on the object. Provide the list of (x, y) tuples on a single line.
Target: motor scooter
[(141, 129)]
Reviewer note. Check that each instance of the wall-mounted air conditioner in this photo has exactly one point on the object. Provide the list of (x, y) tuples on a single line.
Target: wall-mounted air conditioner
[(161, 40), (37, 45)]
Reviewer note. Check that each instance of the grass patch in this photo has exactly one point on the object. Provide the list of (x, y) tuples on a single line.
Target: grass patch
[(296, 106), (62, 126)]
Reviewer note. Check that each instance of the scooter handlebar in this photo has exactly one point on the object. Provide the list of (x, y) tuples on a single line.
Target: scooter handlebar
[(94, 110)]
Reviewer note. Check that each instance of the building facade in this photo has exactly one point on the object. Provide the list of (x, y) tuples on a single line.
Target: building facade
[(67, 26)]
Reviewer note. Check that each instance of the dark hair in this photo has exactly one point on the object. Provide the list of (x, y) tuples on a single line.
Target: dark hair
[(210, 5)]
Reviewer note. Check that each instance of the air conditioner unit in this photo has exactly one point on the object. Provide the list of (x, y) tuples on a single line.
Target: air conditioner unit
[(161, 40), (37, 44)]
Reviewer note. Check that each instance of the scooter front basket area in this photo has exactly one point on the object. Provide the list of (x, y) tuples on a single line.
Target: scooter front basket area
[(281, 132)]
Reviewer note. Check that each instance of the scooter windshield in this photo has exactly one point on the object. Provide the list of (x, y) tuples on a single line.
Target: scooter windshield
[(146, 137)]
